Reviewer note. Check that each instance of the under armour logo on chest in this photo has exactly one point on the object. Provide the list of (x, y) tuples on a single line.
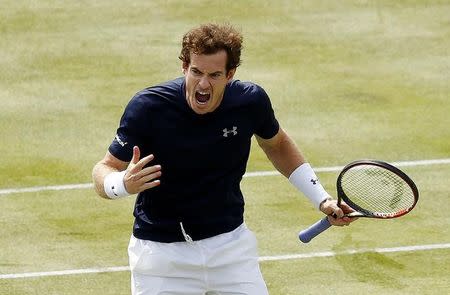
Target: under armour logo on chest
[(226, 132)]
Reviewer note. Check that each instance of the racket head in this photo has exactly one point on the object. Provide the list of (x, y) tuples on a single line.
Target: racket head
[(376, 189)]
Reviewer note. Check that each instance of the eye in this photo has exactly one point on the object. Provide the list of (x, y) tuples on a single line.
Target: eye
[(195, 72), (216, 75)]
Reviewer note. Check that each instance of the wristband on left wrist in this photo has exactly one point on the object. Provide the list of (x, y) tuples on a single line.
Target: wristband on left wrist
[(323, 202), (306, 181)]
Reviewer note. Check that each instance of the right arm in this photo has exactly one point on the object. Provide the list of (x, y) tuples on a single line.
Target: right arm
[(136, 179)]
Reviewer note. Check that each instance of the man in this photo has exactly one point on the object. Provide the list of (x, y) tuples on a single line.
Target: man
[(183, 146)]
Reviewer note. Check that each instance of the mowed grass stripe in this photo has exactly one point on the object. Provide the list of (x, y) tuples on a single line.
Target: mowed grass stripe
[(261, 259), (248, 174)]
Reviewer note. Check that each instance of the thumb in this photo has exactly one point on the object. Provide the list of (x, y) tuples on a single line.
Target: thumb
[(136, 155)]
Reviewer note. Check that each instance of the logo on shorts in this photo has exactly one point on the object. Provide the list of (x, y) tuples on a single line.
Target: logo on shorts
[(120, 141), (227, 132)]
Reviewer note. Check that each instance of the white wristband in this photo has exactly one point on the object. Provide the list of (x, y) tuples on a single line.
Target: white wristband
[(114, 186), (306, 181)]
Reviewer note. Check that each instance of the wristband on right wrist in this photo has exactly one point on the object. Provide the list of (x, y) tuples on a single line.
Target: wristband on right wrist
[(114, 185), (306, 181)]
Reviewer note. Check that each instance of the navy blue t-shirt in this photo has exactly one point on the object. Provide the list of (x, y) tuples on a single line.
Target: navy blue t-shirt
[(202, 157)]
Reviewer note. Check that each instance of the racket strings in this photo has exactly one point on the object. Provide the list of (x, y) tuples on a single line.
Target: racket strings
[(376, 189)]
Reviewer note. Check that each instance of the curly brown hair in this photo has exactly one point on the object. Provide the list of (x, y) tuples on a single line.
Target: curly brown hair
[(211, 38)]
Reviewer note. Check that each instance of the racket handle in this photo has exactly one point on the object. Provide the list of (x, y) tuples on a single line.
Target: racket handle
[(308, 234)]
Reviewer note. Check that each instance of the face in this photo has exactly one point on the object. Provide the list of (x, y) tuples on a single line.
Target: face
[(206, 78)]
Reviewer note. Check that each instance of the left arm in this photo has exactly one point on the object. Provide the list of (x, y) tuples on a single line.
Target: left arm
[(282, 152), (286, 157)]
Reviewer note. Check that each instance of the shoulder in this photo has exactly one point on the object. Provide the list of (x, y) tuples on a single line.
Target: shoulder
[(245, 93), (246, 88), (169, 91)]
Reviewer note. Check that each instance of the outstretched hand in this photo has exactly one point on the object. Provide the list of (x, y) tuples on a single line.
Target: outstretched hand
[(336, 214), (138, 178)]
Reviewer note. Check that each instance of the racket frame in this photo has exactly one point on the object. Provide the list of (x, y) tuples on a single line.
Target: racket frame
[(361, 212), (320, 226)]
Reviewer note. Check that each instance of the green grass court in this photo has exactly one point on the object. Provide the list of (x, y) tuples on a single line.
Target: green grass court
[(348, 80)]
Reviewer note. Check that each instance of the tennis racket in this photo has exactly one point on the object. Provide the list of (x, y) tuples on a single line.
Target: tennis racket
[(373, 189)]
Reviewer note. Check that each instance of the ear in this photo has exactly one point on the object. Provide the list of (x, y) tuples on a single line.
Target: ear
[(184, 67), (230, 74)]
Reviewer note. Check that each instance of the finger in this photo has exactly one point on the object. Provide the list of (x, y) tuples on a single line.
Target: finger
[(144, 172), (346, 220), (145, 175), (136, 155), (337, 212), (328, 206), (139, 165), (334, 221), (346, 208), (350, 219), (339, 221), (149, 170), (149, 185), (150, 177), (134, 184)]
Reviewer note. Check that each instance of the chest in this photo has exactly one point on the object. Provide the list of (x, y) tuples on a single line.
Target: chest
[(180, 139)]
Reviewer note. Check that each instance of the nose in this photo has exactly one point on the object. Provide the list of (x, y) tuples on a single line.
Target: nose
[(204, 82)]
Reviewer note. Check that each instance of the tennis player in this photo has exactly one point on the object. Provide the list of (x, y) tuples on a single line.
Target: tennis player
[(182, 147)]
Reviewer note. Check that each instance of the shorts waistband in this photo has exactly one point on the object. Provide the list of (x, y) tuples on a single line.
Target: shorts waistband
[(183, 231)]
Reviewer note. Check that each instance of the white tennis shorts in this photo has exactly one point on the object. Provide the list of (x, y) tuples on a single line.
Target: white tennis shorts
[(225, 264)]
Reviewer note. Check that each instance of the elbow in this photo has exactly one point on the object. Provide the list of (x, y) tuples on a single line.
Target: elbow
[(97, 179)]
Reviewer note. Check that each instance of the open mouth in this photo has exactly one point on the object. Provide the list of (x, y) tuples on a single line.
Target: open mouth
[(202, 98)]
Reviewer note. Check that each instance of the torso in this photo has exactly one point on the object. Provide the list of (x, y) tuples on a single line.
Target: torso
[(203, 158)]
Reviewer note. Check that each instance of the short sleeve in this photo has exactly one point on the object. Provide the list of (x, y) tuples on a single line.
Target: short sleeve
[(130, 131), (268, 125)]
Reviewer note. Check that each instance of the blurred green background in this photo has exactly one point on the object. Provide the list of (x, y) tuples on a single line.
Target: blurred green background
[(347, 79)]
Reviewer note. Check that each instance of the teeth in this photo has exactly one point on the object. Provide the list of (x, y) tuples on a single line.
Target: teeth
[(203, 97)]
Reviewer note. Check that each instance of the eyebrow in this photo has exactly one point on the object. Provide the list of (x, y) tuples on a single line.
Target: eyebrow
[(213, 73)]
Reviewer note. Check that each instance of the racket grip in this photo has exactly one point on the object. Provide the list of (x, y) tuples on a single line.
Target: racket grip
[(308, 234)]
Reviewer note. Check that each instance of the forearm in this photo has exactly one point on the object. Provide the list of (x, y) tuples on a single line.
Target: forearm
[(287, 158), (283, 153), (114, 179), (99, 173)]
